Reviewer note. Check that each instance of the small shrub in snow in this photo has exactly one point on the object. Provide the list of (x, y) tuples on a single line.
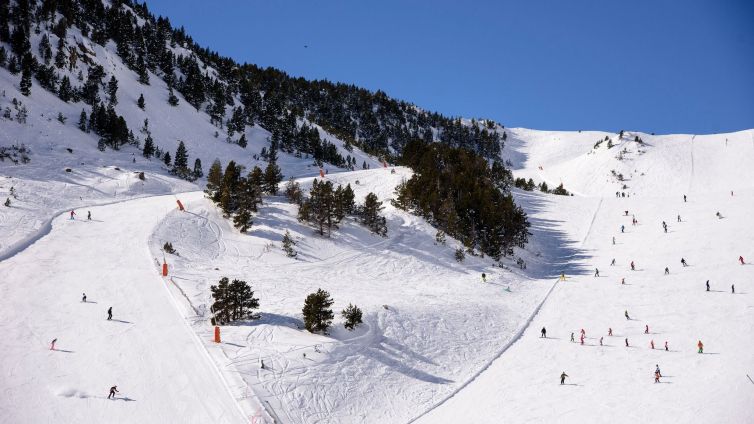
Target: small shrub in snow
[(168, 248), (352, 315), (288, 244), (440, 237), (317, 313), (61, 118), (7, 202), (460, 255), (141, 176)]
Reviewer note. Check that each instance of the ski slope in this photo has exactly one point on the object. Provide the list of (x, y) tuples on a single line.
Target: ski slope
[(615, 383)]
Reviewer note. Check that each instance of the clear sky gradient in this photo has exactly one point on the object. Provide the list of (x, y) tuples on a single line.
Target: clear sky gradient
[(649, 65)]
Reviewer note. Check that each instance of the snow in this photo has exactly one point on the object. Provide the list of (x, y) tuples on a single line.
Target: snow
[(437, 345)]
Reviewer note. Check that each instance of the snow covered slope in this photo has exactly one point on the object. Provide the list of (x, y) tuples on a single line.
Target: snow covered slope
[(612, 382)]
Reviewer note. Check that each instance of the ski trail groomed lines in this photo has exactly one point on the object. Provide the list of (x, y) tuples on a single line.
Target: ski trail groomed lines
[(591, 224), (489, 363)]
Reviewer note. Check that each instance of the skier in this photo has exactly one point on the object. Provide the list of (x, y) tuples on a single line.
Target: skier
[(684, 198), (83, 298), (113, 391), (683, 262), (626, 314), (484, 278), (666, 346), (610, 331), (544, 333), (52, 345), (623, 280), (596, 272), (563, 377), (572, 339), (632, 266), (657, 377), (700, 345), (109, 313), (562, 276), (733, 288), (583, 333), (262, 363), (622, 227), (626, 213), (679, 218), (652, 344), (707, 285), (613, 240), (72, 214), (626, 341), (600, 340), (646, 329), (613, 262), (667, 271), (717, 214), (741, 259), (89, 215), (657, 370)]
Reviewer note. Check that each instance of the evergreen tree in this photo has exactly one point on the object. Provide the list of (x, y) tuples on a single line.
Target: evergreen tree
[(25, 85), (352, 315), (198, 172), (149, 149), (172, 98), (214, 180), (319, 210), (543, 187), (65, 91), (45, 51), (60, 57), (166, 158), (3, 56), (82, 121), (140, 102), (317, 311), (233, 301), (370, 215), (180, 164), (272, 178), (242, 141), (112, 90), (288, 244), (249, 196)]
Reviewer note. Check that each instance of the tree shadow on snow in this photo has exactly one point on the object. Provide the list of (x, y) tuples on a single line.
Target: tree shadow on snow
[(272, 319), (556, 252)]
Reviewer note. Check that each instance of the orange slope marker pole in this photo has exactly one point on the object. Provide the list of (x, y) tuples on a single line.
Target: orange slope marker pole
[(180, 205), (217, 334)]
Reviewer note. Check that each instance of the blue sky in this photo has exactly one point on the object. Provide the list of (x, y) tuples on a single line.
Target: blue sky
[(649, 65)]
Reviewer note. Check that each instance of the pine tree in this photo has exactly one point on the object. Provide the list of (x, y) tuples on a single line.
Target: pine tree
[(352, 315), (172, 98), (112, 90), (140, 102), (198, 172), (180, 164), (233, 301), (214, 180), (319, 210), (272, 178), (166, 158), (3, 56), (82, 121), (288, 244), (149, 149), (317, 313), (65, 91), (25, 85), (60, 57), (242, 141), (370, 215), (249, 197)]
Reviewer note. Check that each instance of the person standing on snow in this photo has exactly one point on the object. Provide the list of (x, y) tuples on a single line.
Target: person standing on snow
[(582, 340), (666, 346), (657, 370), (610, 331), (544, 333), (52, 344), (733, 288), (109, 313), (626, 341), (667, 271), (741, 259), (684, 198), (679, 218), (700, 345), (72, 213), (622, 227), (623, 280), (600, 340), (613, 240), (613, 262), (646, 329), (632, 266), (652, 344), (596, 272), (113, 391), (626, 314), (707, 285), (83, 298), (563, 377), (683, 262), (89, 215), (484, 278), (572, 339), (657, 376)]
